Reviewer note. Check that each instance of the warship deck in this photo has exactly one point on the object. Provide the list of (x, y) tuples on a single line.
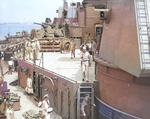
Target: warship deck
[(57, 62)]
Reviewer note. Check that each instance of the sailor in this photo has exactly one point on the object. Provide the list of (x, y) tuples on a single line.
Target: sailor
[(10, 64), (15, 64), (37, 48), (45, 33), (90, 38), (28, 49), (45, 105), (72, 48), (10, 111), (67, 23), (29, 88), (33, 45), (86, 63), (93, 46), (61, 45), (84, 103), (44, 108), (86, 37), (81, 52)]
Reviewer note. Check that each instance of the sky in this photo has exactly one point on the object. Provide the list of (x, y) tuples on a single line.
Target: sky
[(29, 10)]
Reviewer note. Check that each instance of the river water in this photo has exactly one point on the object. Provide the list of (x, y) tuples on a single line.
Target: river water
[(12, 28)]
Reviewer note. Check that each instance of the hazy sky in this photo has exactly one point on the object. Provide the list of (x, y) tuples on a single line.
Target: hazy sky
[(29, 10)]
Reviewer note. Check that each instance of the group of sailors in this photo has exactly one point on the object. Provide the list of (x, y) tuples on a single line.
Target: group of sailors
[(32, 48), (12, 65), (86, 58), (44, 109)]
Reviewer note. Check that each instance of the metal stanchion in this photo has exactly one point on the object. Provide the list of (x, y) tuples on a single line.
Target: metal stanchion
[(42, 60), (24, 53), (34, 57)]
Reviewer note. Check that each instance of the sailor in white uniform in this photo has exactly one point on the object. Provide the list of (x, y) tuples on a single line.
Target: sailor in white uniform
[(10, 111), (33, 45), (10, 64), (35, 48), (86, 63), (37, 43), (28, 49), (45, 105), (29, 88), (84, 103), (44, 108)]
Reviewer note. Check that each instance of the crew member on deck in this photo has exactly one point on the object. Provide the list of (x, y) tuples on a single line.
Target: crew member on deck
[(29, 88), (15, 64), (37, 48), (45, 105), (10, 64), (86, 63), (28, 49), (86, 37), (93, 46), (84, 104), (10, 111), (72, 48)]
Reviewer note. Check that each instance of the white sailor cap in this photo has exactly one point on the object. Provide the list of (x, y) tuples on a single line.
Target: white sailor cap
[(46, 96), (84, 48)]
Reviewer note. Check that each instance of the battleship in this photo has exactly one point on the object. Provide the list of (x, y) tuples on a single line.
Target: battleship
[(120, 88)]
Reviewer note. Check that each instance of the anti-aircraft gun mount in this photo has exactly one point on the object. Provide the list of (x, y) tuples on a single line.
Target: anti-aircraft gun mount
[(45, 25), (51, 37)]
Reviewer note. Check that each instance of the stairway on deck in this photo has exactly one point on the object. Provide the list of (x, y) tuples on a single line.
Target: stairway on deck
[(143, 35), (83, 90)]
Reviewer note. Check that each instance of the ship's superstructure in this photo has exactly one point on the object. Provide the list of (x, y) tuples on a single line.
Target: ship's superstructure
[(122, 58), (123, 61)]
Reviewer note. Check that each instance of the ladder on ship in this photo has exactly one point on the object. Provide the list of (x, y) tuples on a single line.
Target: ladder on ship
[(143, 32), (83, 90)]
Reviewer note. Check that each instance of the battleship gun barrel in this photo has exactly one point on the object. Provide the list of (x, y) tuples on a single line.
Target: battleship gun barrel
[(38, 23), (43, 24)]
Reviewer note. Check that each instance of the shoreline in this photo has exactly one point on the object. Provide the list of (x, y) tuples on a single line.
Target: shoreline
[(2, 38)]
